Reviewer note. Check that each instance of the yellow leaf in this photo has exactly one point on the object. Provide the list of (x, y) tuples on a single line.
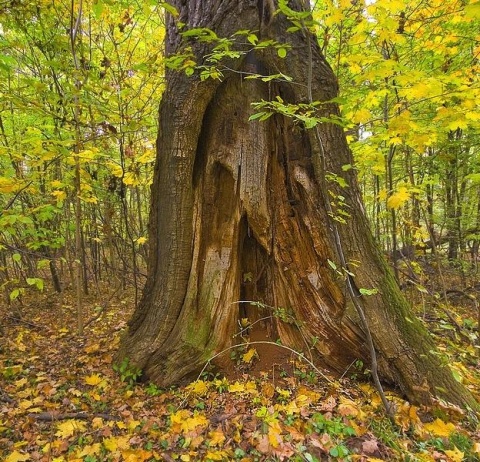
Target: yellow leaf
[(115, 443), (198, 420), (302, 400), (236, 387), (216, 438), (268, 390), (251, 387), (199, 387), (398, 198), (25, 404), (89, 450), (97, 422), (9, 185), (274, 434), (93, 379), (459, 123), (20, 383), (141, 240), (348, 408), (455, 455), (136, 455), (92, 348), (69, 427), (362, 116), (16, 456), (248, 356), (177, 418), (133, 424), (56, 184), (291, 408), (217, 455), (440, 428), (59, 195)]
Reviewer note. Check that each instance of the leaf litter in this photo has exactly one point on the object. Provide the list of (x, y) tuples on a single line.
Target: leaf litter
[(62, 400)]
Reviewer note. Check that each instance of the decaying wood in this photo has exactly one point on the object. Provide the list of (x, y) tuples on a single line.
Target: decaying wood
[(237, 215)]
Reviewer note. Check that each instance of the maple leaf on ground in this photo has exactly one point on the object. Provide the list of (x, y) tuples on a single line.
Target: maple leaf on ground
[(455, 454), (69, 427), (16, 456), (115, 443), (93, 379), (89, 450), (236, 387), (199, 387), (439, 428), (216, 437), (217, 455)]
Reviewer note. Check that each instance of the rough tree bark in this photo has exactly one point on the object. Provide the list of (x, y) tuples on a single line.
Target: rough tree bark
[(237, 213)]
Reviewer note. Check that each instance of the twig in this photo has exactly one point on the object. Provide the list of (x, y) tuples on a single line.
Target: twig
[(53, 416), (28, 323), (5, 398)]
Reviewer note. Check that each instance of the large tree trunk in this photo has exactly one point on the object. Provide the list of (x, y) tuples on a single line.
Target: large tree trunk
[(238, 213)]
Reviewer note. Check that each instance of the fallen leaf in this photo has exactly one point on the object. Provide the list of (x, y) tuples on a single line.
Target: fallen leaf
[(89, 450), (16, 456), (199, 387), (25, 404), (455, 454), (263, 446), (216, 438), (439, 428), (268, 390), (69, 427), (348, 408), (248, 356), (236, 387), (93, 379), (115, 443), (369, 446)]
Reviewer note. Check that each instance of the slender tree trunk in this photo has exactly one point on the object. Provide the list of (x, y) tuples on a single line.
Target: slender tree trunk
[(236, 201)]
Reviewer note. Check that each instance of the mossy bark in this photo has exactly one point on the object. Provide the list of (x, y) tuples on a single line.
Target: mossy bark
[(238, 213)]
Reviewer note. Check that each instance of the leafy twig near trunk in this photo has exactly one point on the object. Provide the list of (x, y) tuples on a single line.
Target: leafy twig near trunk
[(352, 288)]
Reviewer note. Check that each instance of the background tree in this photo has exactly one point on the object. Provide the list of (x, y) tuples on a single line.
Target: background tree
[(267, 210), (100, 114)]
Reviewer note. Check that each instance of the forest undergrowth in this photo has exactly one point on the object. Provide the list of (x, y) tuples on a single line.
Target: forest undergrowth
[(63, 399)]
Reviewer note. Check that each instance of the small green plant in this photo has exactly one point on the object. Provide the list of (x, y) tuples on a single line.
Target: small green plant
[(307, 376), (334, 427), (153, 390), (128, 374)]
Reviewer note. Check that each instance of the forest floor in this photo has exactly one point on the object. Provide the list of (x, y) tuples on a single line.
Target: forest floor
[(62, 399)]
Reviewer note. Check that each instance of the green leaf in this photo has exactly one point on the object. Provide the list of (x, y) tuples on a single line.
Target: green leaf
[(473, 10), (257, 115), (170, 8), (368, 291), (252, 38), (332, 265), (98, 8), (282, 52), (14, 294), (16, 257), (37, 282)]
